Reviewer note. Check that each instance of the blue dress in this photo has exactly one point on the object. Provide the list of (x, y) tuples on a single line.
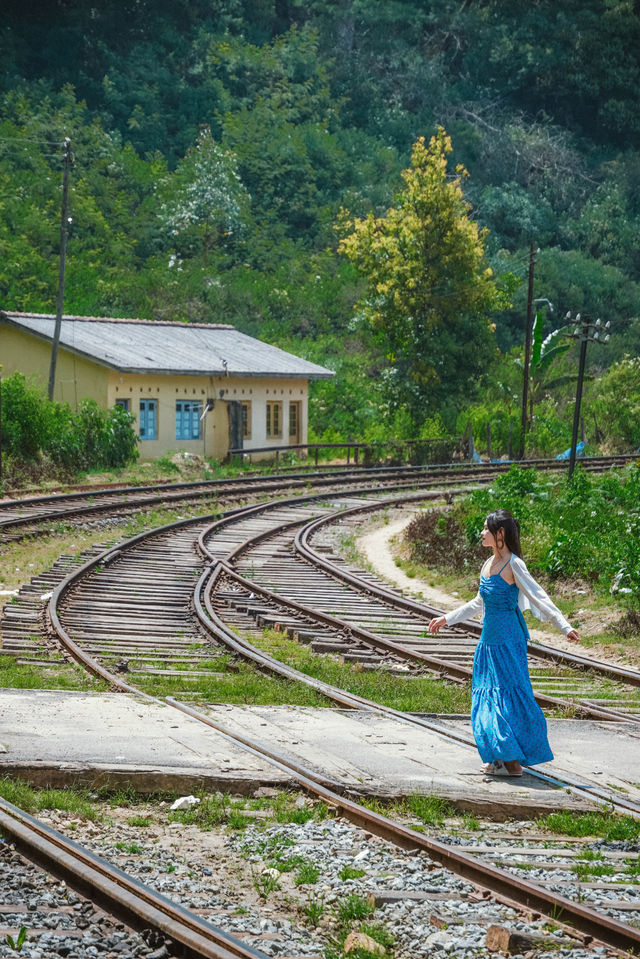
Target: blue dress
[(507, 722)]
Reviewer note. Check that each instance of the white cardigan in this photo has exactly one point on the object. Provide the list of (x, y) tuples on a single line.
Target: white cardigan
[(530, 596)]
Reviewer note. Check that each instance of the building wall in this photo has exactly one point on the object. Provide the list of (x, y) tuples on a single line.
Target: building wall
[(214, 441), (76, 378)]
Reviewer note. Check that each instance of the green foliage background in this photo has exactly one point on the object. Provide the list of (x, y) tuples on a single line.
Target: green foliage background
[(587, 527), (313, 106)]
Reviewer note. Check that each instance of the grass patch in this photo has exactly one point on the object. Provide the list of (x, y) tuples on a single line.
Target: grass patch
[(211, 811), (352, 908), (307, 874), (130, 847), (587, 870), (246, 685), (380, 933), (140, 821), (313, 909), (430, 810), (58, 675), (348, 872), (74, 801), (237, 820), (419, 694), (603, 825)]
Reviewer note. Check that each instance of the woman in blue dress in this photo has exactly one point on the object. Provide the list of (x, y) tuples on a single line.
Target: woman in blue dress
[(509, 727)]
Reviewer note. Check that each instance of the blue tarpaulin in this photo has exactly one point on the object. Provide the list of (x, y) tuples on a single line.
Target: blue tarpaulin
[(567, 453)]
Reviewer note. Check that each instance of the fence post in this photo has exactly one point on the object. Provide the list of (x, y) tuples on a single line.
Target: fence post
[(316, 456), (277, 459), (348, 455), (355, 455), (511, 438), (468, 434), (489, 440)]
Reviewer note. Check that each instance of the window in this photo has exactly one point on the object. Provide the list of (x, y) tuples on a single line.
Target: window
[(148, 419), (188, 413), (124, 403), (246, 420), (294, 422), (274, 420)]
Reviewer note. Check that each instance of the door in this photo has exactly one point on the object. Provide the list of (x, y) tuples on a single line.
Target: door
[(234, 409), (294, 423)]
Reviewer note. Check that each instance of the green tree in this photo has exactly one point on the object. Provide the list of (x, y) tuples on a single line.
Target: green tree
[(205, 202), (429, 290), (613, 405)]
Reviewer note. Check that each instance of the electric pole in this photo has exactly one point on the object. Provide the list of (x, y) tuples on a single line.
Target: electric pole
[(64, 232), (586, 332), (527, 352)]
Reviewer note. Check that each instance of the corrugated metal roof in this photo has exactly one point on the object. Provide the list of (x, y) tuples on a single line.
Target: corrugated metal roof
[(142, 346)]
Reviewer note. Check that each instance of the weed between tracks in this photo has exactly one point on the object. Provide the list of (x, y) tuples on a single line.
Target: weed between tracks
[(604, 825), (59, 674), (77, 802), (244, 684), (420, 694)]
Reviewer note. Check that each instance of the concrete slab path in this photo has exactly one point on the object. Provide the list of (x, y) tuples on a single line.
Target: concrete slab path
[(57, 738)]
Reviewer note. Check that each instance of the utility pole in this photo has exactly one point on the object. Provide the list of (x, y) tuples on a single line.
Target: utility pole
[(586, 332), (64, 232), (527, 352)]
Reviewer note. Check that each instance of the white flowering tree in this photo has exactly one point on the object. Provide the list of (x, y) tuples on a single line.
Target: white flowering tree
[(204, 200)]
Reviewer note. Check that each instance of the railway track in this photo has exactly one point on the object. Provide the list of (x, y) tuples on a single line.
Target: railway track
[(116, 894), (150, 580), (22, 517)]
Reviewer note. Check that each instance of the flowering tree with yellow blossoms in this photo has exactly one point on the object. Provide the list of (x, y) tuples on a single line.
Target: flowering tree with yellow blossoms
[(429, 290)]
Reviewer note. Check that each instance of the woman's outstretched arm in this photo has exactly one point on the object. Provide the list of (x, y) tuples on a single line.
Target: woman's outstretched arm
[(540, 599), (457, 615)]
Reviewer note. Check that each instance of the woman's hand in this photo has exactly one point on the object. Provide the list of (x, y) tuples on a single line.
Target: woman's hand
[(436, 624), (573, 636)]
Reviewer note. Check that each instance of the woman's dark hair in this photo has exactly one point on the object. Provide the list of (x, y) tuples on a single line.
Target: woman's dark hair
[(502, 519)]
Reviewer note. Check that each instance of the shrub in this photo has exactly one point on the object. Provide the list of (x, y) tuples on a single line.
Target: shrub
[(32, 426), (587, 527), (26, 418)]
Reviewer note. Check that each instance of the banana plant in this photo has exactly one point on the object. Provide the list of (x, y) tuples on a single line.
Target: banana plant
[(543, 354)]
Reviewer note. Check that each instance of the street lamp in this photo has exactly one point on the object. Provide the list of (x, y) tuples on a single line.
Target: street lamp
[(587, 332)]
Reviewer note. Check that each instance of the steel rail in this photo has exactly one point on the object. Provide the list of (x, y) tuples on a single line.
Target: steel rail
[(122, 896), (472, 468), (434, 473), (212, 622), (444, 666), (500, 882)]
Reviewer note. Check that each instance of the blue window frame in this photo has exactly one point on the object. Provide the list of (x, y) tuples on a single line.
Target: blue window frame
[(188, 413), (148, 419)]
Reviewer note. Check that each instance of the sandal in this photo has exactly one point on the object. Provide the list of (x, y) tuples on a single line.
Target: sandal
[(499, 769)]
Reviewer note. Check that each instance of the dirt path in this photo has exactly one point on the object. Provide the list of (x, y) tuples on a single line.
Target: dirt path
[(376, 547)]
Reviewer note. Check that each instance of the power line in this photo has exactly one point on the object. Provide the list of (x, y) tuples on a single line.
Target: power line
[(24, 140)]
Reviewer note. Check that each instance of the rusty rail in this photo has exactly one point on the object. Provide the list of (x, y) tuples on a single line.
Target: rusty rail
[(118, 893)]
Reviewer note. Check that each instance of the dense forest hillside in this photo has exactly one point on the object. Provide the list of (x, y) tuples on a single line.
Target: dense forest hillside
[(215, 143)]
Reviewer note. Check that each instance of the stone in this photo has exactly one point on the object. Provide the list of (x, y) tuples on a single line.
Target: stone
[(184, 802), (360, 940), (503, 939)]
